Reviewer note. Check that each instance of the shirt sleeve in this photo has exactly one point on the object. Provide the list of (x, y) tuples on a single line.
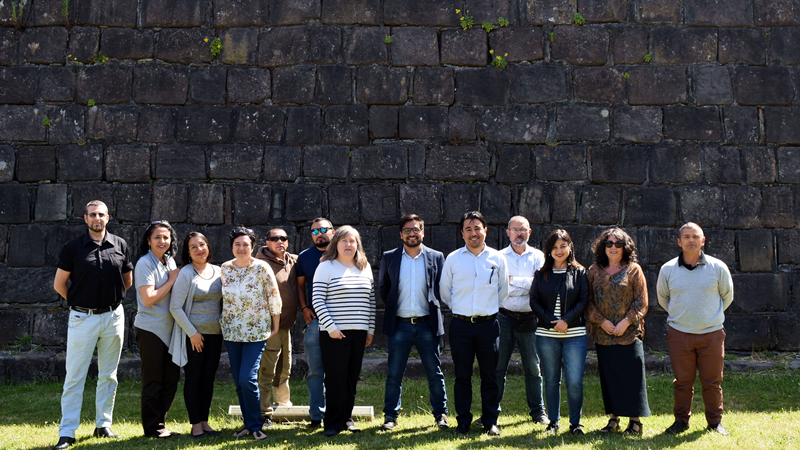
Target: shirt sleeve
[(372, 303), (271, 294), (145, 274), (66, 258), (639, 303), (662, 289), (446, 283), (593, 313), (126, 250), (725, 286), (502, 285)]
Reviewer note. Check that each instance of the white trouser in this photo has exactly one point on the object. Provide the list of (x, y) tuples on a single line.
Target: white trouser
[(85, 332)]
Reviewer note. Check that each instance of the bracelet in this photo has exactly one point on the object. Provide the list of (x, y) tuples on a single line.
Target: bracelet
[(305, 308)]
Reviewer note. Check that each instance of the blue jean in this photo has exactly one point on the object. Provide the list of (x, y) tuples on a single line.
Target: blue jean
[(427, 343), (315, 380), (530, 364), (245, 358), (572, 351)]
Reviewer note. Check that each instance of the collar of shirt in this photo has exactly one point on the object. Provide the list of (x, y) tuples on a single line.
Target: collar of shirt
[(702, 261), (87, 238), (412, 286), (510, 250), (465, 249), (421, 251)]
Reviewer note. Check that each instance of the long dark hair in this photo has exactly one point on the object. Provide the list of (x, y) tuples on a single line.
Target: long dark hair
[(599, 247), (549, 244), (186, 259), (144, 247)]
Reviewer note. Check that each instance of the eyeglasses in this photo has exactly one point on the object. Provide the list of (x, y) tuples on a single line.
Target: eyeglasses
[(96, 214), (319, 230), (519, 230), (617, 244), (246, 231), (277, 238), (415, 230), (158, 222)]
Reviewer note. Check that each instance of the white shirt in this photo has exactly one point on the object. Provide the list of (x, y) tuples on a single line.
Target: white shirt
[(412, 287), (474, 285), (521, 269)]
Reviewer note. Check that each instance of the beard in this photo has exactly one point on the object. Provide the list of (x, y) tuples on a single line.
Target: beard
[(323, 244), (412, 244)]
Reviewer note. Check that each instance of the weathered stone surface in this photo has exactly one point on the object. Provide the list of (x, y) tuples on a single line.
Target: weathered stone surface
[(334, 85), (712, 85), (586, 45), (18, 85), (84, 193), (26, 246), (177, 13), (383, 85), (290, 12), (248, 85), (156, 124), (283, 46), (759, 164), (43, 45), (741, 125), (241, 13), (15, 324), (628, 43), (383, 121), (676, 164), (207, 85), (208, 204), (521, 44), (662, 246), (80, 162), (458, 163), (184, 45), (346, 124), (170, 202), (741, 206), (564, 203), (712, 12), (180, 161), (104, 84), (599, 83), (240, 46), (127, 163), (83, 43), (464, 47), (562, 163), (782, 45), (303, 125), (701, 205), (603, 11), (671, 82), (683, 45), (160, 84), (380, 162), (127, 43), (461, 123), (203, 124), (722, 165), (51, 203), (653, 206), (774, 12), (458, 199), (303, 202), (7, 163), (618, 164), (747, 332), (747, 45), (579, 122), (432, 13), (282, 163), (343, 205), (415, 46), (133, 202), (788, 161), (519, 124), (488, 11), (56, 84), (120, 13), (788, 242), (294, 84), (637, 123), (365, 45), (600, 205), (36, 163), (346, 12), (235, 161), (701, 123), (28, 285), (534, 204), (112, 122), (8, 46), (549, 12), (496, 203), (422, 199), (326, 161), (514, 164), (258, 124), (423, 122), (538, 83), (252, 203), (721, 243), (66, 123), (755, 250), (770, 85), (788, 334), (778, 210), (782, 125), (487, 86), (50, 327), (434, 85), (378, 203)]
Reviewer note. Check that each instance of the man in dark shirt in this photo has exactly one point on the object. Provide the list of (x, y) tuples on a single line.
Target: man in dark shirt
[(307, 262), (99, 268)]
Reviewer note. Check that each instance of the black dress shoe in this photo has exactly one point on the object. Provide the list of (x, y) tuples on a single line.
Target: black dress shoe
[(678, 427), (330, 433), (64, 442), (314, 424), (462, 428), (492, 430), (104, 432)]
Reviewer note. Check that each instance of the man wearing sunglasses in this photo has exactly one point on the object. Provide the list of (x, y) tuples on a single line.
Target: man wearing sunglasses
[(276, 361), (409, 286), (99, 267), (307, 262)]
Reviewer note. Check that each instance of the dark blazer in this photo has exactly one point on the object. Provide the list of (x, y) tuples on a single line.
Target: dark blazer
[(388, 279), (574, 290)]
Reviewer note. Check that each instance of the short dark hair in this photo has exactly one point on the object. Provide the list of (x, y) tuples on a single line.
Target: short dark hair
[(269, 232), (144, 247), (186, 259), (321, 219), (472, 215), (549, 244), (409, 218), (242, 231), (94, 203), (599, 246)]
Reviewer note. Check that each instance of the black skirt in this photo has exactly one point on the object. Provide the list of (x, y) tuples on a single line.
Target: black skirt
[(622, 379)]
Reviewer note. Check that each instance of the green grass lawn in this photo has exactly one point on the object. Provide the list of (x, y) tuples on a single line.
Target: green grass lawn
[(762, 411)]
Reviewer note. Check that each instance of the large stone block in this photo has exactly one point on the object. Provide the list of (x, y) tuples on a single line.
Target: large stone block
[(7, 163), (461, 123), (18, 85), (26, 246), (113, 123), (383, 85), (782, 45), (208, 204), (379, 204), (496, 203), (422, 199), (294, 84), (180, 161), (521, 44), (599, 83), (248, 85), (771, 85), (722, 165), (346, 12), (184, 45), (538, 83), (127, 163), (488, 11), (235, 161), (712, 85), (380, 162), (303, 202), (549, 12), (43, 45), (788, 332), (326, 161), (618, 164), (156, 124), (788, 242), (203, 124), (628, 43), (458, 163), (207, 85), (756, 253), (759, 164), (747, 45), (671, 82), (702, 123), (241, 13), (712, 12), (458, 199), (283, 46), (778, 210), (423, 122), (36, 163), (83, 43), (282, 163), (50, 327), (676, 164), (774, 12), (28, 285), (290, 12), (252, 203), (600, 205), (240, 46), (534, 204), (383, 121), (650, 206), (561, 163), (741, 124), (514, 164), (683, 45), (113, 13), (334, 85), (176, 13), (365, 45), (84, 193), (741, 206), (170, 202), (487, 86), (637, 123), (133, 202), (520, 124), (346, 124), (781, 125), (431, 13), (578, 122), (66, 123), (303, 125), (80, 162), (586, 45), (722, 244), (258, 124), (701, 205), (415, 46), (15, 324), (603, 10), (788, 162), (8, 46), (160, 84), (56, 84), (343, 205), (465, 47), (104, 84), (434, 85), (661, 246), (747, 332), (127, 43)]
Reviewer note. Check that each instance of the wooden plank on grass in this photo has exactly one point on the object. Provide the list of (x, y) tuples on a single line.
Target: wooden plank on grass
[(298, 413)]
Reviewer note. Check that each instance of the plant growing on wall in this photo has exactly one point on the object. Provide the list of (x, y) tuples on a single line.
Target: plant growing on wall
[(387, 40), (466, 21), (215, 46), (499, 61), (65, 11), (16, 13), (578, 19)]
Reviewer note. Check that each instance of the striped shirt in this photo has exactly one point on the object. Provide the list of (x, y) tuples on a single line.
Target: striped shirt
[(551, 332), (344, 297)]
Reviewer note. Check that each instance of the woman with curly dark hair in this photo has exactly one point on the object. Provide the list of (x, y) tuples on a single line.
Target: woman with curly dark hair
[(617, 306)]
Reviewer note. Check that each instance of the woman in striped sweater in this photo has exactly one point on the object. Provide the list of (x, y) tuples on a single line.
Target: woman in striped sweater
[(344, 299)]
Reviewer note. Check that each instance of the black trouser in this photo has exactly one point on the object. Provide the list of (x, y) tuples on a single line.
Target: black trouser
[(160, 378), (199, 372), (468, 341), (341, 361)]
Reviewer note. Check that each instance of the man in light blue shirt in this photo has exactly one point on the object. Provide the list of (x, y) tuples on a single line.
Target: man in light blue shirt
[(474, 282)]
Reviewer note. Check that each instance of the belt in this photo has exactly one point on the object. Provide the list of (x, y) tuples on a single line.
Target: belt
[(516, 313), (475, 319), (94, 311), (414, 320)]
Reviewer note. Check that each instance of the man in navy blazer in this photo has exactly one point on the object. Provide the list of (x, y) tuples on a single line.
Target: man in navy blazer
[(409, 286)]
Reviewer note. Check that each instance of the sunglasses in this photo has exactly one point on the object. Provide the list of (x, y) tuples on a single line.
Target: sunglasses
[(277, 238), (246, 231), (617, 244), (415, 230), (159, 222), (96, 214), (319, 230)]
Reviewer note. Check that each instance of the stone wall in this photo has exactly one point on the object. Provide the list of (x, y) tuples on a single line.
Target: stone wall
[(650, 114)]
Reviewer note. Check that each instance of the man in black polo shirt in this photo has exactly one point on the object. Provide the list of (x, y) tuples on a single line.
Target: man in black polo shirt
[(99, 268)]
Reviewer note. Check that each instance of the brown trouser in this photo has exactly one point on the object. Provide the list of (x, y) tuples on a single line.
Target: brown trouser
[(276, 366), (690, 353)]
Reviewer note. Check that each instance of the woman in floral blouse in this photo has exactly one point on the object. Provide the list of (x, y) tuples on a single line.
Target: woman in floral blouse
[(617, 306), (251, 309)]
